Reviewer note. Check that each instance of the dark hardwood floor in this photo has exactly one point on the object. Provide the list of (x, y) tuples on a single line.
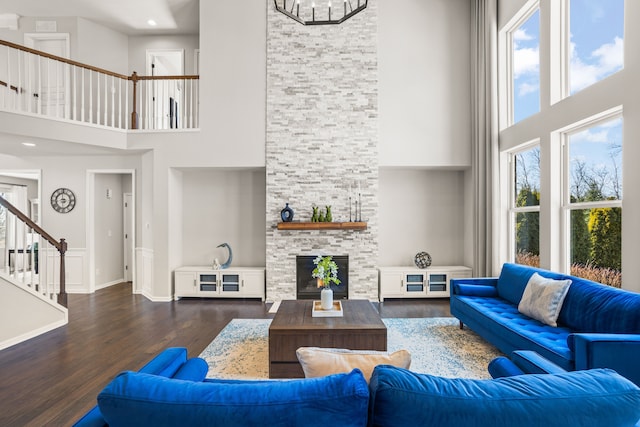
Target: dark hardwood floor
[(53, 379)]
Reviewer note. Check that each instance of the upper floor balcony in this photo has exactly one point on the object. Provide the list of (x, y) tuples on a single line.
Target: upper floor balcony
[(35, 83)]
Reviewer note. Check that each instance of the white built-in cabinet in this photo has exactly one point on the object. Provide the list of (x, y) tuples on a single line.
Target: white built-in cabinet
[(204, 282), (412, 282)]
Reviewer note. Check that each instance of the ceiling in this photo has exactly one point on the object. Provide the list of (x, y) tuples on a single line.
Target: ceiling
[(126, 16)]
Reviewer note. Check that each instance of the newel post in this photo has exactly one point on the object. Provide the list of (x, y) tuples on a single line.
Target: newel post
[(134, 113), (62, 295)]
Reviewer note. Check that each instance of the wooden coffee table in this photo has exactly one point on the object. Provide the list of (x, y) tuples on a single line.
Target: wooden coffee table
[(360, 328)]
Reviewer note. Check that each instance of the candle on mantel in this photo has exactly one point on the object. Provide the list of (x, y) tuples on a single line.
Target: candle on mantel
[(313, 11), (329, 4), (345, 7), (298, 8)]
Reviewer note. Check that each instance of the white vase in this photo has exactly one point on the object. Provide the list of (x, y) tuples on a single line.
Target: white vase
[(326, 299)]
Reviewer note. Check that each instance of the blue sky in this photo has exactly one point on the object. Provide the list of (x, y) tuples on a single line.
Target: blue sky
[(596, 51)]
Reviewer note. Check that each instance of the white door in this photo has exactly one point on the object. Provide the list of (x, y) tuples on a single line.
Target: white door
[(128, 233), (165, 95), (49, 79)]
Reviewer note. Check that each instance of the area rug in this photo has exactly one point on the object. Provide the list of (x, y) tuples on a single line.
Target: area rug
[(437, 347)]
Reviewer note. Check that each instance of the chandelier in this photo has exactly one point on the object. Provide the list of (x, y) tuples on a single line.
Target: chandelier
[(321, 14)]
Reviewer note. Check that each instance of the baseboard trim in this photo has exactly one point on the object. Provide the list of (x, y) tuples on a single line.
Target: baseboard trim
[(156, 299), (32, 334), (112, 283)]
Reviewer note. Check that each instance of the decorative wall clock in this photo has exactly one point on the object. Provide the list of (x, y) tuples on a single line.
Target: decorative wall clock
[(63, 200)]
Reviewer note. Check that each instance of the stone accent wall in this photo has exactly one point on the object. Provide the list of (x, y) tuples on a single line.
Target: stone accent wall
[(322, 139)]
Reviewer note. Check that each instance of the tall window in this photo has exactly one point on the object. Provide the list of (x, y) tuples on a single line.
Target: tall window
[(525, 206), (596, 41), (525, 66), (593, 201)]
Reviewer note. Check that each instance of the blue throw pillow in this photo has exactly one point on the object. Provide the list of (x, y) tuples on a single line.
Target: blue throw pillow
[(598, 397), (135, 399)]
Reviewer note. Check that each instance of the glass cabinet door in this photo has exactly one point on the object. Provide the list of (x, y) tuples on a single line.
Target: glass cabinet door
[(208, 282), (230, 283), (437, 283), (415, 282)]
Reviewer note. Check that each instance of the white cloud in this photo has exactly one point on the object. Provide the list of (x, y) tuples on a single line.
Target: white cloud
[(525, 61), (610, 56), (607, 59), (597, 134), (527, 88), (521, 35)]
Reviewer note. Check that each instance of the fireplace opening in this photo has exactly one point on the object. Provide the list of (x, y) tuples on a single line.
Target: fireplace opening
[(307, 286)]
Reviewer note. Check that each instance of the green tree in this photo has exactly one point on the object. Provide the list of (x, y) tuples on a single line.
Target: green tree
[(528, 223), (605, 227), (580, 237)]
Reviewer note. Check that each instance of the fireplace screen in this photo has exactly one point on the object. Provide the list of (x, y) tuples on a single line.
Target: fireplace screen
[(307, 286)]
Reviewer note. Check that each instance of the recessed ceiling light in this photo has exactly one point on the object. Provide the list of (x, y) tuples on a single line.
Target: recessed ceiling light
[(152, 23), (28, 144)]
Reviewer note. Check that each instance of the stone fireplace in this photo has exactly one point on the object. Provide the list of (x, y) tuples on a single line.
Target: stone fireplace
[(322, 145), (306, 285)]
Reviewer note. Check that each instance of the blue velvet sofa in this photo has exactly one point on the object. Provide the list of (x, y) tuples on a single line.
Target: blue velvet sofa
[(598, 326), (173, 392)]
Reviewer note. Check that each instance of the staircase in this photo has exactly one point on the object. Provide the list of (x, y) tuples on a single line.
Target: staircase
[(33, 299)]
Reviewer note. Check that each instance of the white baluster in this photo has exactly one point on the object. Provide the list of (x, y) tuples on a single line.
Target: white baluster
[(98, 96), (56, 64), (120, 103), (106, 100), (147, 102), (113, 101), (39, 77), (90, 96), (8, 91), (82, 106), (19, 85), (29, 79), (126, 105), (74, 93)]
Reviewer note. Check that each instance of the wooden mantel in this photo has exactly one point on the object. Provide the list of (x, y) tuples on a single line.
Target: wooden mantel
[(296, 225)]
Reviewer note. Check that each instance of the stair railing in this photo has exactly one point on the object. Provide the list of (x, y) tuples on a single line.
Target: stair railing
[(35, 82), (29, 259)]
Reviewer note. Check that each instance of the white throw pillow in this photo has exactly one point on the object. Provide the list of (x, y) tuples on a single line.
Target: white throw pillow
[(542, 298), (319, 362)]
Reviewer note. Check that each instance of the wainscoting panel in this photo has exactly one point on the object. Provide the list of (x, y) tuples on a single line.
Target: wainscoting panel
[(75, 269)]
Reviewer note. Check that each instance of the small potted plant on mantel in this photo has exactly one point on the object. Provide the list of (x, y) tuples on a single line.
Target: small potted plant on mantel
[(326, 272)]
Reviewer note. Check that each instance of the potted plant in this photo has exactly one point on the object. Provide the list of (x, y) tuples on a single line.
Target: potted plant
[(326, 271)]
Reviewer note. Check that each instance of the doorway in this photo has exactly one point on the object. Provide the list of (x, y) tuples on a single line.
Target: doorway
[(48, 79), (21, 188), (111, 228), (165, 94)]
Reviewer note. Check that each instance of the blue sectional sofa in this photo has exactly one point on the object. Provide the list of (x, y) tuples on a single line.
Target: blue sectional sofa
[(175, 393), (598, 326)]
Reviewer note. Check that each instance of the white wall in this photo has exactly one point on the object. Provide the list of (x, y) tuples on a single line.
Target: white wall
[(28, 25), (425, 77), (90, 42), (138, 46), (223, 206), (24, 315), (233, 88), (102, 47), (421, 210)]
